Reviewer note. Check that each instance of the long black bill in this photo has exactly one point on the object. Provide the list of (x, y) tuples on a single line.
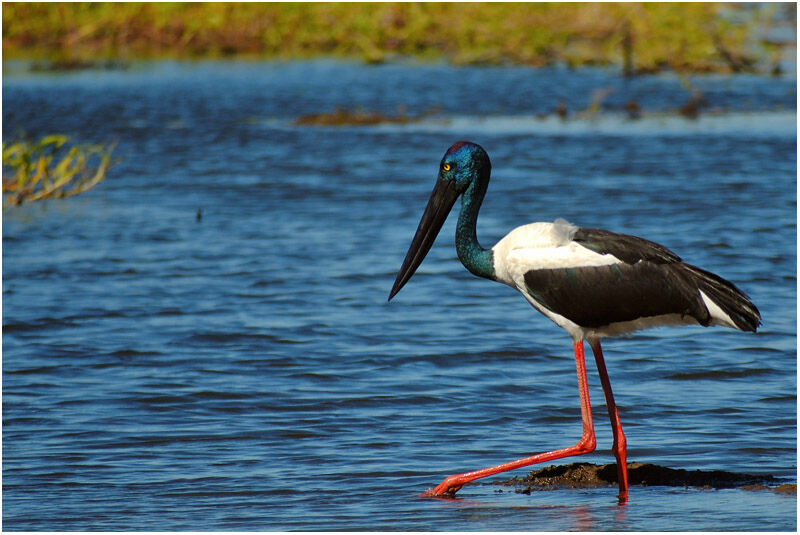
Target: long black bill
[(443, 197)]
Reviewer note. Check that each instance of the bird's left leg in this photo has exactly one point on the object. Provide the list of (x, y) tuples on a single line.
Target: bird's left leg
[(620, 445), (586, 444)]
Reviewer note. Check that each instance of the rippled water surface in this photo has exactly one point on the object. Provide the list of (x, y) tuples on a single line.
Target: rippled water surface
[(245, 372)]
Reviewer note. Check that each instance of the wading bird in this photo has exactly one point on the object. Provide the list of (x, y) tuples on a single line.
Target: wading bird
[(593, 283)]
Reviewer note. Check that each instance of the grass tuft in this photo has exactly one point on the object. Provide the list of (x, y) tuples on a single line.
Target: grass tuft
[(50, 168)]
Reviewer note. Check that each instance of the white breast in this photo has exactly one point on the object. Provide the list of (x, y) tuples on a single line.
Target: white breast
[(542, 246)]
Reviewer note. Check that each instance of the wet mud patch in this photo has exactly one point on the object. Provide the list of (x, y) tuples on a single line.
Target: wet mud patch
[(342, 117), (587, 475)]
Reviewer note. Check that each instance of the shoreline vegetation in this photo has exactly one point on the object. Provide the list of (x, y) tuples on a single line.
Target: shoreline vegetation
[(640, 38)]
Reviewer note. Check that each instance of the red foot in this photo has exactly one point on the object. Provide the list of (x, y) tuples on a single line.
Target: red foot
[(445, 489), (433, 493)]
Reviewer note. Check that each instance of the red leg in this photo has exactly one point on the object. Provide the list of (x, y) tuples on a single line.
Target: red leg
[(620, 445), (585, 445)]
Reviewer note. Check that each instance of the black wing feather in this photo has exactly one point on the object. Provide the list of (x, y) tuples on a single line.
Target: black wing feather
[(629, 249)]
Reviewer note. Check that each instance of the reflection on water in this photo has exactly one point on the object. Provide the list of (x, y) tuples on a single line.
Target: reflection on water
[(244, 372)]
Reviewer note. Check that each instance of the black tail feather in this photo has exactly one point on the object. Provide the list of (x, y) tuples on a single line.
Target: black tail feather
[(728, 297)]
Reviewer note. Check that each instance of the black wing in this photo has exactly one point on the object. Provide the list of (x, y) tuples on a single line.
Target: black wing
[(598, 296), (629, 249)]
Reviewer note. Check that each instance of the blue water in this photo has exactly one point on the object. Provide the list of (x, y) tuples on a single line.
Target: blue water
[(245, 372)]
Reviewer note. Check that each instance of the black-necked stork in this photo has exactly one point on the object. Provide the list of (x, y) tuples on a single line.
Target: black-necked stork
[(593, 283)]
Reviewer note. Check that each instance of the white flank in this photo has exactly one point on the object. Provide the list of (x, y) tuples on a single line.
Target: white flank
[(627, 327), (719, 317), (575, 331)]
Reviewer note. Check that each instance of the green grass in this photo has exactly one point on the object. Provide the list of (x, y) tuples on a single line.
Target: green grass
[(688, 37), (50, 168)]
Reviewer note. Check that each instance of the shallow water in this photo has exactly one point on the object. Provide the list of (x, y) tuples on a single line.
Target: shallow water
[(245, 372)]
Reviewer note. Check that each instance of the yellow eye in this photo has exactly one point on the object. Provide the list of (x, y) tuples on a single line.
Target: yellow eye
[(446, 167)]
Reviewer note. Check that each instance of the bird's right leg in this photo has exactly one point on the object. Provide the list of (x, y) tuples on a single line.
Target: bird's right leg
[(620, 444), (586, 444)]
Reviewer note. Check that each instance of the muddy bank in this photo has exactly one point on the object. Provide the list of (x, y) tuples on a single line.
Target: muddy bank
[(351, 118), (587, 475)]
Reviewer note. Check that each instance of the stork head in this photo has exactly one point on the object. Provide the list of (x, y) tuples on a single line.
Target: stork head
[(464, 165)]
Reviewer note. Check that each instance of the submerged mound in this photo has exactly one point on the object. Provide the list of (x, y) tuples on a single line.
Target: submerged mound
[(587, 475)]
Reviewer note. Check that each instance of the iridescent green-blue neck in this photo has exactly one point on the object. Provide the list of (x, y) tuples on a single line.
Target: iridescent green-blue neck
[(474, 257)]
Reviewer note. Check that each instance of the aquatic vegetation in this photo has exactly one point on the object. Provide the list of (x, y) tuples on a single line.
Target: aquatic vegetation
[(642, 37), (48, 168)]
